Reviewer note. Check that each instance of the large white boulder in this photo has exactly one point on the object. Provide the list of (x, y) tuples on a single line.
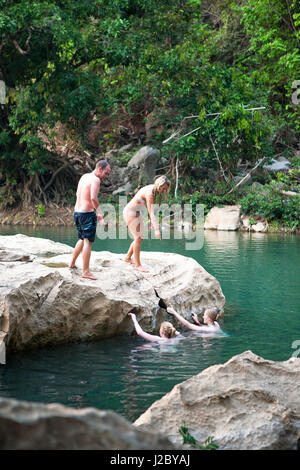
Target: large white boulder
[(42, 301), (248, 403), (223, 218)]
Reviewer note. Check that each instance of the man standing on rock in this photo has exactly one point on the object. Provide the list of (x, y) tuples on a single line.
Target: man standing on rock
[(85, 217)]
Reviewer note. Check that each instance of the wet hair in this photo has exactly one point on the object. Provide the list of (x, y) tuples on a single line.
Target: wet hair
[(167, 329), (158, 183), (213, 313), (102, 164)]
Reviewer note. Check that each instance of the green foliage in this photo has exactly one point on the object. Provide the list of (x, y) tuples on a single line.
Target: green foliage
[(208, 200), (272, 205), (187, 438), (41, 210), (289, 180), (66, 61)]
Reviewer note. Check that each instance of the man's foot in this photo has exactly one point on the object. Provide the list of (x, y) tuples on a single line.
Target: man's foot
[(143, 270), (129, 260), (89, 275)]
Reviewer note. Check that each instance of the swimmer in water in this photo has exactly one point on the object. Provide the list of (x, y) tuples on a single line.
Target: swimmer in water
[(166, 331), (210, 317), (146, 196)]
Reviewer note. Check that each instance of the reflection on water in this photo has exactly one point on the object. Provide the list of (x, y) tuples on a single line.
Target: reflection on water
[(259, 275)]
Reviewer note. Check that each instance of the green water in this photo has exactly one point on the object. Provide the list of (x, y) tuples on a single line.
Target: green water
[(259, 275)]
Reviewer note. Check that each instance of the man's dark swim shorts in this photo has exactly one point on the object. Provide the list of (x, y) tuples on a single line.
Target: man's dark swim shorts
[(86, 223)]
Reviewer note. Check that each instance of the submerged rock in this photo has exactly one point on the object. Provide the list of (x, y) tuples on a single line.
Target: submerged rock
[(42, 301), (248, 403), (36, 426)]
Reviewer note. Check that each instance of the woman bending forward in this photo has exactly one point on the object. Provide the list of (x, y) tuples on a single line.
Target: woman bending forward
[(132, 215)]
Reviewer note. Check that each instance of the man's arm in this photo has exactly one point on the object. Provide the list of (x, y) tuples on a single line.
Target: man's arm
[(95, 187)]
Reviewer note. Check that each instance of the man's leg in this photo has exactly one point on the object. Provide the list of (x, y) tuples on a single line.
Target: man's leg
[(86, 255), (76, 253)]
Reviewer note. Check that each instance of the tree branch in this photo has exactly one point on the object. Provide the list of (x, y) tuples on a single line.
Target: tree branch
[(17, 46)]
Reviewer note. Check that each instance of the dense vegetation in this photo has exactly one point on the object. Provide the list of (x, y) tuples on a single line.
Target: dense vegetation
[(125, 61)]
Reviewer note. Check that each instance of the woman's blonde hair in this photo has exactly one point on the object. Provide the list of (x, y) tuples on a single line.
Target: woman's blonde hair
[(213, 313), (167, 329), (159, 182)]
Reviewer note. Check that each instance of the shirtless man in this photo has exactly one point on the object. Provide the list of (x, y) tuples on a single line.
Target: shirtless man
[(85, 218)]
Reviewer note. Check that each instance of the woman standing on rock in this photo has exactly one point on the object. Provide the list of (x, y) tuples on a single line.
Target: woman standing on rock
[(132, 215)]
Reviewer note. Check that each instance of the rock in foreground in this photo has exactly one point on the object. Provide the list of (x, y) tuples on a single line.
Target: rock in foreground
[(34, 426), (248, 403), (42, 301)]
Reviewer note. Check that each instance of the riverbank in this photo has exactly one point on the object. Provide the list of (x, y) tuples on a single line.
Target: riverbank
[(62, 216), (53, 216)]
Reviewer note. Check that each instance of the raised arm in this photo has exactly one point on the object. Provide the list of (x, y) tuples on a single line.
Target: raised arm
[(182, 320), (141, 332), (191, 326)]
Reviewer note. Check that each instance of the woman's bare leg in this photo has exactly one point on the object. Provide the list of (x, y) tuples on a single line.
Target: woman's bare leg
[(136, 227), (137, 253), (129, 254)]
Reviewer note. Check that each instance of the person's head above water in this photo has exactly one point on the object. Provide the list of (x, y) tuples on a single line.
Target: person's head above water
[(211, 315), (167, 330)]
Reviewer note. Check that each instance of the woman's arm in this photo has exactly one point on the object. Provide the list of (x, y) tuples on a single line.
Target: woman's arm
[(182, 320), (150, 202), (141, 332), (185, 322)]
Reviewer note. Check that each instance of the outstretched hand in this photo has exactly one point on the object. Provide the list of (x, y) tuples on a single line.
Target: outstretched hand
[(132, 315), (195, 318), (170, 310), (100, 219)]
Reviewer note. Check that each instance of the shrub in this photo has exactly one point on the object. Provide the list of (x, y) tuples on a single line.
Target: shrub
[(273, 206)]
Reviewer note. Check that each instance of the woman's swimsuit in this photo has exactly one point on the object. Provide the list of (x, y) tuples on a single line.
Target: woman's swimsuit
[(135, 212)]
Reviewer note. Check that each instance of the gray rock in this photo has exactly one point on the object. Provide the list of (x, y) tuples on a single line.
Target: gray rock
[(245, 179), (35, 426), (260, 227), (126, 189), (146, 160), (280, 164), (248, 403), (125, 148)]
